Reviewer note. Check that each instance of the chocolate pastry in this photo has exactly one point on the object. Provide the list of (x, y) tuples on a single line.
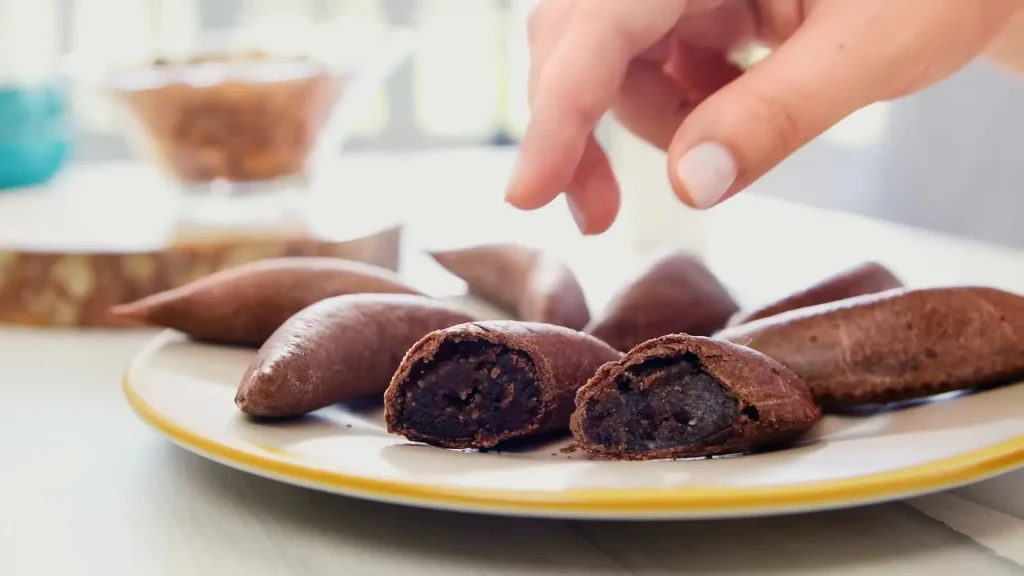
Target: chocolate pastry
[(686, 396), (867, 278), (676, 293), (522, 280), (895, 345), (338, 349), (244, 305), (476, 385)]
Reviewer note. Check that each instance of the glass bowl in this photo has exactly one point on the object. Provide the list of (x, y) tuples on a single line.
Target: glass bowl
[(235, 118), (242, 129)]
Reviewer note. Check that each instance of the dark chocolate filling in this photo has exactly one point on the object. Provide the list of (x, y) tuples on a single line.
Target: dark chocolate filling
[(658, 404), (470, 389)]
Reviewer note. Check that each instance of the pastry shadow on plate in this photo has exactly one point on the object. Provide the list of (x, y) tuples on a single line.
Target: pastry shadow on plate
[(543, 447), (430, 461), (807, 443), (559, 446), (279, 434), (721, 471), (370, 408), (876, 409), (950, 411), (799, 446)]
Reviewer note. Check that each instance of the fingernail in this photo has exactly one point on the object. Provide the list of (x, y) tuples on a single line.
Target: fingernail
[(578, 215), (707, 171)]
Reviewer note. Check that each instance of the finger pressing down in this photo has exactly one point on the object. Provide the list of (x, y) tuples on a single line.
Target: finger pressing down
[(576, 85), (593, 192)]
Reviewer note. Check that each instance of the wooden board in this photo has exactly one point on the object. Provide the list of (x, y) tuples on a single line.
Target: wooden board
[(95, 238)]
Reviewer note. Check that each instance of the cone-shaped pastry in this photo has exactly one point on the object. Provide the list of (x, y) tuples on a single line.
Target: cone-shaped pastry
[(684, 396), (338, 349), (244, 305), (478, 384), (522, 280), (895, 345), (867, 278), (676, 293)]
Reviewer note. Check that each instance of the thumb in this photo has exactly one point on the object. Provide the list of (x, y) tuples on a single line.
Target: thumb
[(846, 55)]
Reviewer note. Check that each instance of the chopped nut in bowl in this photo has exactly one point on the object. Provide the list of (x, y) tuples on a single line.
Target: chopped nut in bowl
[(237, 118), (244, 128), (243, 134)]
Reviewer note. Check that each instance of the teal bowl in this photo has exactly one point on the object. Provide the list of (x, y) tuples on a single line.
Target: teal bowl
[(35, 134)]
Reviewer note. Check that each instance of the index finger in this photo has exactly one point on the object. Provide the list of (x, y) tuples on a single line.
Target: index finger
[(578, 84)]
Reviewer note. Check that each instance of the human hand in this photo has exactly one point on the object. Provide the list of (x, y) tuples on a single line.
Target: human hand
[(659, 66)]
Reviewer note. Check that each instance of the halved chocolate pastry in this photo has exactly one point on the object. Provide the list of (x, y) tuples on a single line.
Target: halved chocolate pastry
[(478, 384), (687, 396)]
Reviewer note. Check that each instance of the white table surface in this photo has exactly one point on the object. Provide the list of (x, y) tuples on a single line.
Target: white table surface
[(85, 488)]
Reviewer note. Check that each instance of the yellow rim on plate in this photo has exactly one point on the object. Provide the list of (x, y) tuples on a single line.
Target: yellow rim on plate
[(626, 502)]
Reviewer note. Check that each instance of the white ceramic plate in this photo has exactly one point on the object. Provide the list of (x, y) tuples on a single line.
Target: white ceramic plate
[(186, 391)]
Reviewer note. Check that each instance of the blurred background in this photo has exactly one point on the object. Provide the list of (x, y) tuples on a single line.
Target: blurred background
[(946, 159)]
